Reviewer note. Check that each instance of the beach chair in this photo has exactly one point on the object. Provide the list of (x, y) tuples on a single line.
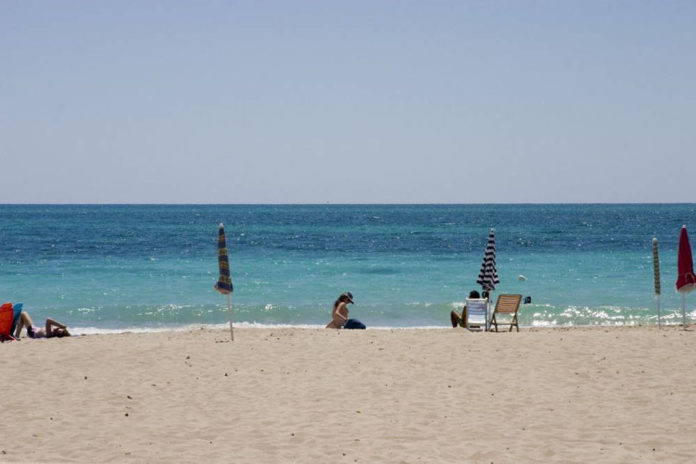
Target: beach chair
[(507, 305), (6, 322), (476, 314)]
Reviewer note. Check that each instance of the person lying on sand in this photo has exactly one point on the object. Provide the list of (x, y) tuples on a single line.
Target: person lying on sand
[(51, 329)]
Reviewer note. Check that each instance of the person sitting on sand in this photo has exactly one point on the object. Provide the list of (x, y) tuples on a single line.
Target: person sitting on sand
[(51, 329), (339, 315), (460, 320)]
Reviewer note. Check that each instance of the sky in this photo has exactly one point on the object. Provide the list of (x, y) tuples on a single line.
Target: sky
[(347, 101)]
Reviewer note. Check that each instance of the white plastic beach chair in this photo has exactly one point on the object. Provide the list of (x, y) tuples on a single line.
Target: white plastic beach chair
[(477, 314)]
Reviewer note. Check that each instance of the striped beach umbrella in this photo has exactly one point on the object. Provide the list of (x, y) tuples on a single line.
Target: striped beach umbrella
[(488, 276), (686, 281), (656, 275), (224, 283)]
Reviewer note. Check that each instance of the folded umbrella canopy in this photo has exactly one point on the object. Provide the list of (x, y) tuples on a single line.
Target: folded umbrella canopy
[(488, 276), (686, 281), (224, 283), (656, 276)]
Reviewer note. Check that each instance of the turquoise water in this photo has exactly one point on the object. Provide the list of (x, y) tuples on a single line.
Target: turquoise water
[(146, 267)]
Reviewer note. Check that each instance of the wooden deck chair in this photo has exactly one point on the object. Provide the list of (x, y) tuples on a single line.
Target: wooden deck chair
[(6, 318), (508, 305), (476, 314)]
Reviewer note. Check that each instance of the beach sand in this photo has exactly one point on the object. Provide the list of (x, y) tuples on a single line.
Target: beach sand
[(572, 395)]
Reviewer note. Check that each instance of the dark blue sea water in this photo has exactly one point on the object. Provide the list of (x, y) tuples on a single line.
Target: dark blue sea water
[(144, 267)]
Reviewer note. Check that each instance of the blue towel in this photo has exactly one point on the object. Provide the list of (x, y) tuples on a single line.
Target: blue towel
[(17, 310)]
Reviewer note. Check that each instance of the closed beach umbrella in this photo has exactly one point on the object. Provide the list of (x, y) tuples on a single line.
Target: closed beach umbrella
[(224, 283), (488, 276), (685, 266), (656, 275)]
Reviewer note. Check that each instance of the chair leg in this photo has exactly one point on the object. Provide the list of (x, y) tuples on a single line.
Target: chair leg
[(514, 323)]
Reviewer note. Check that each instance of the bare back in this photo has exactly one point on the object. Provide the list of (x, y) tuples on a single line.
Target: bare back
[(339, 316)]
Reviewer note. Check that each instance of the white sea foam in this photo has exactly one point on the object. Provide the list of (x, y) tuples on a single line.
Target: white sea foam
[(225, 326)]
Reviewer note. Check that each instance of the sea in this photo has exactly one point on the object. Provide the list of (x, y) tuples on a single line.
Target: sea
[(117, 268)]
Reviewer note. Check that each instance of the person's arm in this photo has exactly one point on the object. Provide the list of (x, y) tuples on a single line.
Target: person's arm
[(462, 320), (50, 322), (340, 315)]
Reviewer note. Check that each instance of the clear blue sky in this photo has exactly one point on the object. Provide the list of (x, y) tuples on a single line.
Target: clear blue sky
[(347, 102)]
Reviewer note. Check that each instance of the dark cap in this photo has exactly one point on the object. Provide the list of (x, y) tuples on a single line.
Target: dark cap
[(349, 296)]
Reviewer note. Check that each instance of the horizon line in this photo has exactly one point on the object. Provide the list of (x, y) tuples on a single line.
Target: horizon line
[(341, 204)]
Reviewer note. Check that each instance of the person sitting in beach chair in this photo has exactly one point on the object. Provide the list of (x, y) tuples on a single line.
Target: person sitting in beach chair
[(51, 329), (339, 315), (460, 319)]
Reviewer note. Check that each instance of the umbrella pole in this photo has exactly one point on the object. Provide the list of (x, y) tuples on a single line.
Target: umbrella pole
[(230, 313), (488, 311), (659, 323), (684, 309)]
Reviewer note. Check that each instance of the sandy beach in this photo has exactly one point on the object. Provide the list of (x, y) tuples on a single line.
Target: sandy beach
[(313, 395)]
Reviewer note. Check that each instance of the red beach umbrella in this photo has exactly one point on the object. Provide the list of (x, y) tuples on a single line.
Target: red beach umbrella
[(686, 281)]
